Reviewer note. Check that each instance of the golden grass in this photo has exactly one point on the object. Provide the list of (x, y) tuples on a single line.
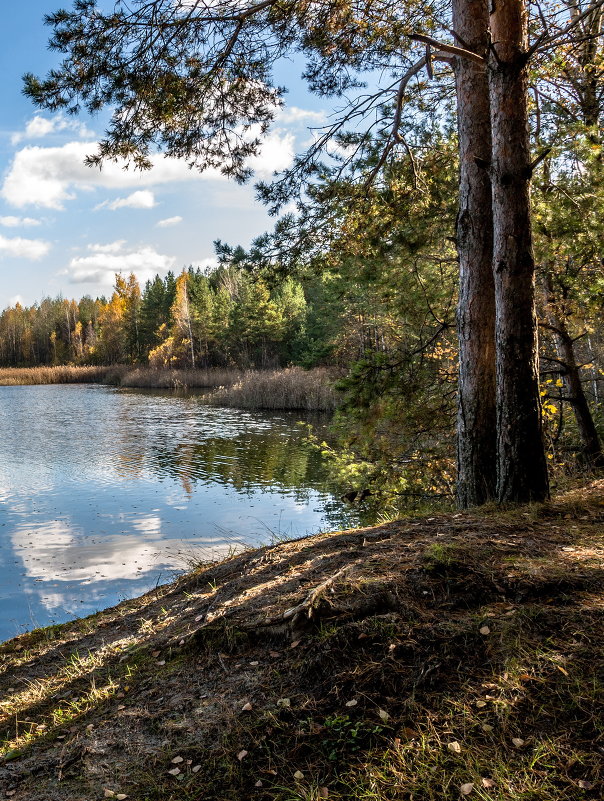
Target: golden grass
[(61, 374), (177, 379), (292, 388)]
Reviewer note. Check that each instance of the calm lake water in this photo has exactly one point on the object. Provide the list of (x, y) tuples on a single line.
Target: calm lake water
[(106, 492)]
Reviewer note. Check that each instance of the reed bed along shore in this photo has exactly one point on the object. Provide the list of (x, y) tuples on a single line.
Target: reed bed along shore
[(60, 374), (176, 379), (289, 388), (120, 375)]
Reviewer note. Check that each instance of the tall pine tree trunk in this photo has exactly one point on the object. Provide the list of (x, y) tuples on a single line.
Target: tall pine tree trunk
[(522, 468), (476, 417)]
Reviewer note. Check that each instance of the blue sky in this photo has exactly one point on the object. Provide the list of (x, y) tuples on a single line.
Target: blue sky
[(66, 229)]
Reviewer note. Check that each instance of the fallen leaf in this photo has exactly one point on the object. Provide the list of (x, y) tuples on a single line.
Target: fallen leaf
[(484, 630), (108, 794), (196, 768), (466, 789), (323, 792), (518, 742), (383, 715), (561, 669), (246, 708), (121, 796), (488, 784), (410, 733), (585, 785), (454, 747), (295, 644), (177, 760), (285, 702), (354, 702), (274, 654), (258, 783), (480, 704), (155, 654), (253, 664), (242, 755), (298, 775), (161, 662), (198, 618), (486, 727), (362, 636), (174, 771), (121, 706)]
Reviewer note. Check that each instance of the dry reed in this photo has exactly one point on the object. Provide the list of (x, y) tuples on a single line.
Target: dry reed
[(61, 374), (120, 375), (292, 388), (176, 379)]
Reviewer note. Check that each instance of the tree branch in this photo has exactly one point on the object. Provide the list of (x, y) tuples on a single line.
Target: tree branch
[(447, 48)]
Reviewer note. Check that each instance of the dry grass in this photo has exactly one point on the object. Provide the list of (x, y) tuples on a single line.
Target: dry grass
[(445, 656), (292, 388), (62, 374), (180, 379)]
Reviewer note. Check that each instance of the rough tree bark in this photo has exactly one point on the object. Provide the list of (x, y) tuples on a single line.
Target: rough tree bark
[(476, 417), (522, 469)]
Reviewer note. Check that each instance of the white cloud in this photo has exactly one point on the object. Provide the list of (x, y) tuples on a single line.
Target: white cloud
[(49, 176), (110, 247), (33, 249), (17, 222), (142, 199), (293, 115), (106, 260), (168, 222), (39, 127)]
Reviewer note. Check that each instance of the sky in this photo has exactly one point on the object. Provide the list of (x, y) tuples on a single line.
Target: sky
[(66, 229)]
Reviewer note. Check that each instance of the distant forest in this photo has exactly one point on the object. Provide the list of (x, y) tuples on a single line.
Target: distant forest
[(196, 319)]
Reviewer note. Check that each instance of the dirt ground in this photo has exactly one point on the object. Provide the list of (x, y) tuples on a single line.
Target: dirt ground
[(452, 656)]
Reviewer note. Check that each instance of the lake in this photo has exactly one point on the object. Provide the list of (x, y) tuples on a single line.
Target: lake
[(106, 492)]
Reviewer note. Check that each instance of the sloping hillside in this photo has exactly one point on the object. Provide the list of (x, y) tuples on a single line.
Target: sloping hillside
[(433, 658)]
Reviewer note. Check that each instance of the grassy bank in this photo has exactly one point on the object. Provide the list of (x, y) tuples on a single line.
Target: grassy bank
[(421, 660), (290, 388)]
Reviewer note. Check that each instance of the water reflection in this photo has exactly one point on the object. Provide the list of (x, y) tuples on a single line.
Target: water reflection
[(105, 492)]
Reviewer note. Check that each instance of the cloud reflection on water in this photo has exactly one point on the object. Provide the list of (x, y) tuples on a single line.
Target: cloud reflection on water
[(103, 493)]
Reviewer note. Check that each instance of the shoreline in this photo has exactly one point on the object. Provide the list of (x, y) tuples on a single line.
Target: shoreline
[(459, 654), (284, 388)]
